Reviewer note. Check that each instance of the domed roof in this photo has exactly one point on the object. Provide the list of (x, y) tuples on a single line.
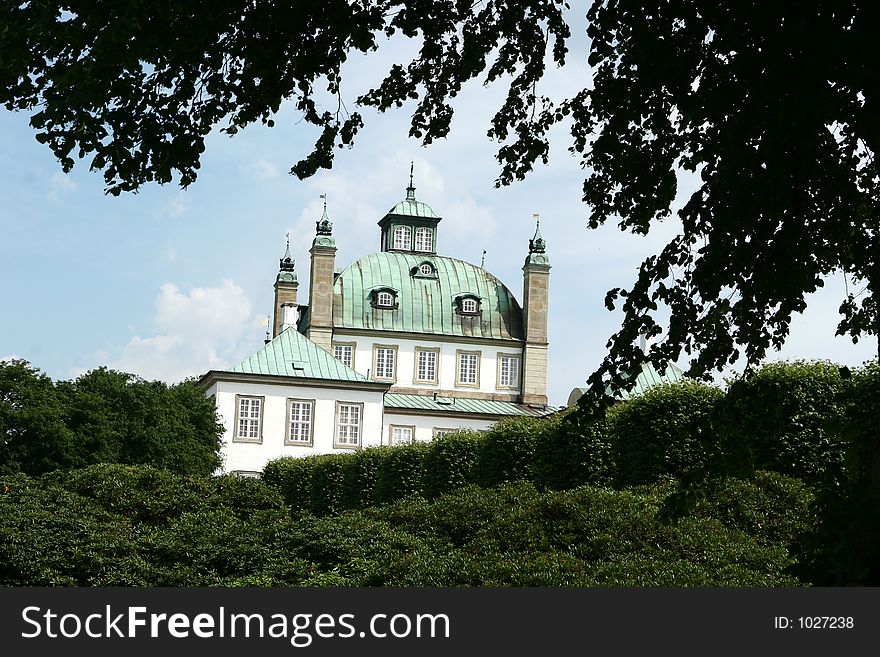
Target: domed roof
[(410, 207), (425, 303)]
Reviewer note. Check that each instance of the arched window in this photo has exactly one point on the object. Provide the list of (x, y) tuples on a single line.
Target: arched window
[(403, 238), (385, 300), (424, 239), (469, 306)]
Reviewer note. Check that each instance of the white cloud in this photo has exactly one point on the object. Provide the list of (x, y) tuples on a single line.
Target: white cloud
[(262, 169), (60, 187), (204, 328)]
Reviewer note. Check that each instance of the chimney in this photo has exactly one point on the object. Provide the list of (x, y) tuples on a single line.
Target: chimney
[(286, 287), (536, 282), (323, 252)]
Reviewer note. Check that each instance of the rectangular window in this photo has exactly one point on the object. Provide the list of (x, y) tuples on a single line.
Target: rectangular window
[(426, 365), (468, 370), (300, 418), (508, 371), (348, 424), (248, 419), (344, 352), (402, 435), (385, 362), (440, 432), (423, 239)]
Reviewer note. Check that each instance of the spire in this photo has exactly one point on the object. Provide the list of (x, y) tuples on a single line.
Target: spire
[(286, 263), (324, 226), (411, 191), (537, 243)]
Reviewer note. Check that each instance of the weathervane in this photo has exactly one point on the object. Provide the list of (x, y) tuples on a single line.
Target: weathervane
[(483, 260)]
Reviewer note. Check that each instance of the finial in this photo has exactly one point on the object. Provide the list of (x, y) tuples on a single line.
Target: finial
[(537, 243), (483, 260), (286, 263), (324, 226), (411, 190), (268, 339)]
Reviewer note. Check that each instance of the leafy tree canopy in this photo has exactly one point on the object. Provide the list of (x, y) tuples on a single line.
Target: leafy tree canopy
[(774, 106), (104, 416)]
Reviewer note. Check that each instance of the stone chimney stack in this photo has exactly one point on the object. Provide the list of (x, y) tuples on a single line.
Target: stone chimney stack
[(323, 253), (536, 282), (286, 287)]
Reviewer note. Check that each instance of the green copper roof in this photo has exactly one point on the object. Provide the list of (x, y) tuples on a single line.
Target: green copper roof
[(413, 208), (425, 304), (458, 405), (647, 378), (292, 354)]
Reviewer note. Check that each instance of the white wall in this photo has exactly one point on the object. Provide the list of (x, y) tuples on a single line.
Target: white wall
[(251, 457), (363, 361), (425, 425)]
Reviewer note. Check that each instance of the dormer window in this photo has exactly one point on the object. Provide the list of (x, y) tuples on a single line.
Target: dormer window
[(467, 304), (424, 239), (384, 298), (403, 238), (424, 270)]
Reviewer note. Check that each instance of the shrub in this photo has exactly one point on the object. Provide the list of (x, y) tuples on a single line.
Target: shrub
[(507, 449), (449, 462), (846, 547), (401, 472), (292, 478), (783, 418), (665, 431), (360, 477), (573, 451), (325, 496)]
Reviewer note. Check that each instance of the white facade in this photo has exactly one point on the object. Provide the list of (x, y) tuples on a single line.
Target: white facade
[(449, 353), (423, 428), (250, 455)]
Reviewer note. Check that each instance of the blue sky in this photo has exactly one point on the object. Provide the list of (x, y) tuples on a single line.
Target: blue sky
[(169, 283)]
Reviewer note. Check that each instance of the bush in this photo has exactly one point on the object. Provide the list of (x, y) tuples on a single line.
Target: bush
[(449, 462), (507, 450), (292, 478), (326, 490), (785, 418), (360, 478), (401, 472), (665, 431), (573, 451), (846, 548)]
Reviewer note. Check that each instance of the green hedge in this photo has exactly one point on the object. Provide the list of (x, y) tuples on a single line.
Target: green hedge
[(575, 450), (507, 450), (401, 472), (326, 493), (665, 431), (360, 478), (292, 478), (449, 462), (787, 418)]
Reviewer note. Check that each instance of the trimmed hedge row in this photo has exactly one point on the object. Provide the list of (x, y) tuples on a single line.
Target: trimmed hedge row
[(792, 418)]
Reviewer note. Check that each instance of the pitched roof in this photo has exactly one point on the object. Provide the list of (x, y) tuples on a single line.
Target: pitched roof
[(292, 354), (459, 406), (647, 378), (425, 304)]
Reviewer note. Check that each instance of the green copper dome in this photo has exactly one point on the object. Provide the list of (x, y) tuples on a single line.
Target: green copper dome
[(425, 303)]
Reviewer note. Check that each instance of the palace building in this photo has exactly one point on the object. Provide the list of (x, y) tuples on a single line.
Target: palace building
[(401, 345)]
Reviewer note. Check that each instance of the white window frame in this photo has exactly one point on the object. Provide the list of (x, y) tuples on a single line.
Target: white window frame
[(470, 306), (309, 423), (417, 365), (403, 238), (514, 368), (424, 240), (382, 375), (348, 434), (384, 299), (461, 356), (351, 346), (393, 428), (254, 424)]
